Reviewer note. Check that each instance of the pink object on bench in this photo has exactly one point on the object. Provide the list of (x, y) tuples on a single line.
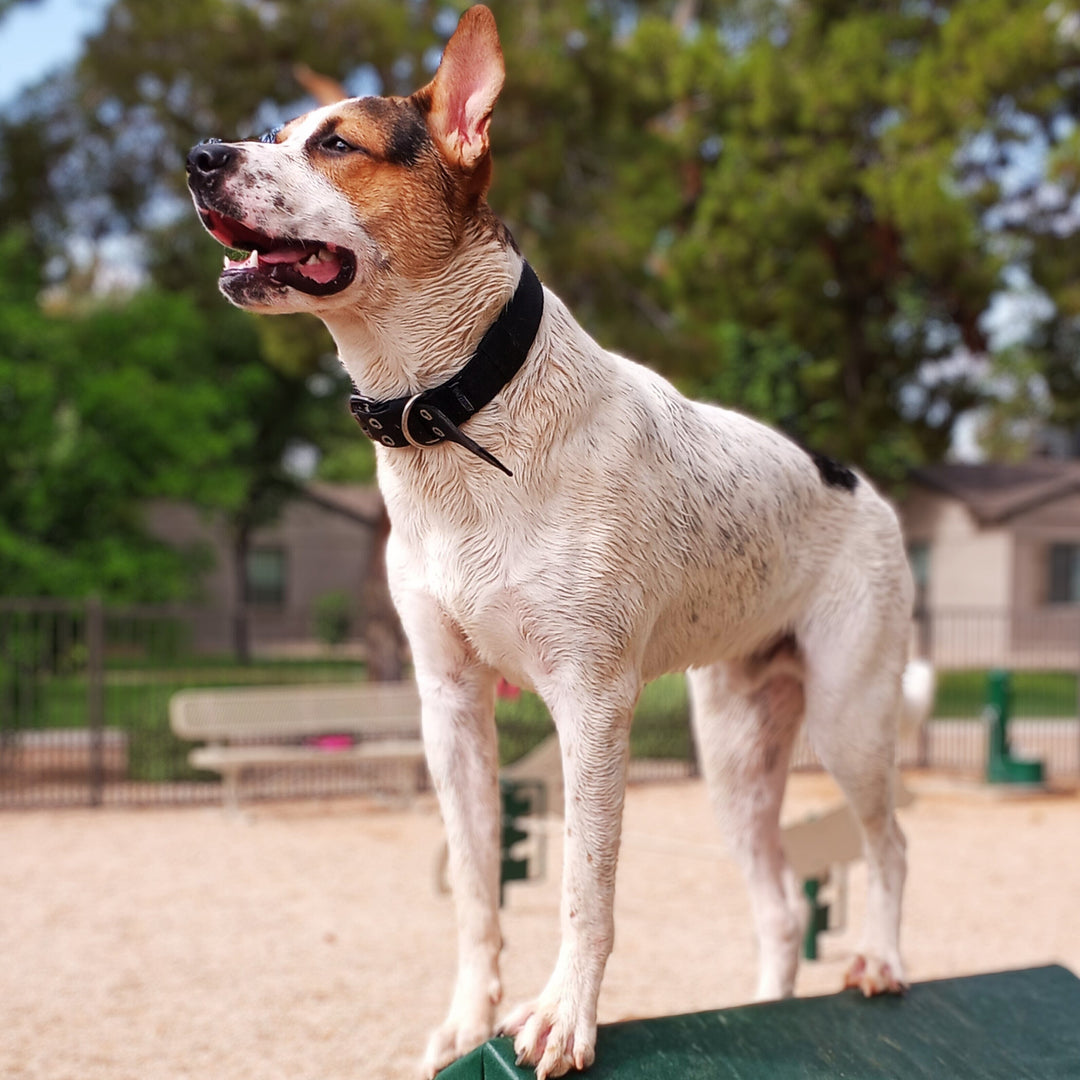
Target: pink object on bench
[(333, 742)]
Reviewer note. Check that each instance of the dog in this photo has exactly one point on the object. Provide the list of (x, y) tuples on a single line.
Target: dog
[(637, 533)]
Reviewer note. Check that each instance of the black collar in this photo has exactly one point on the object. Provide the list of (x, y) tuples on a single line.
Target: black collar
[(435, 415)]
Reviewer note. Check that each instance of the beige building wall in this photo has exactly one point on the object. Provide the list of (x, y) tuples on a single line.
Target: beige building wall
[(323, 552), (1056, 522), (969, 566), (987, 596)]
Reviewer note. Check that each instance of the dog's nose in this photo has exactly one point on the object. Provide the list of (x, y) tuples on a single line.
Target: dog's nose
[(211, 156)]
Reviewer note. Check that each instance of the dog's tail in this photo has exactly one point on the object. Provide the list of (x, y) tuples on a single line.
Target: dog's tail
[(918, 686)]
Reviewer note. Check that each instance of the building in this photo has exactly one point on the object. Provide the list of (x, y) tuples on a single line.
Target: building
[(996, 551), (321, 544)]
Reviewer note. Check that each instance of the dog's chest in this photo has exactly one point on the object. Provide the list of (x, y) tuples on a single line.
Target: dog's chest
[(498, 580)]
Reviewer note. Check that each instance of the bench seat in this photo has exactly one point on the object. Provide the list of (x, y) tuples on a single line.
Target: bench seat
[(279, 727)]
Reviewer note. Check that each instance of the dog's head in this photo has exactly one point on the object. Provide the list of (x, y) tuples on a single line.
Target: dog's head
[(337, 198)]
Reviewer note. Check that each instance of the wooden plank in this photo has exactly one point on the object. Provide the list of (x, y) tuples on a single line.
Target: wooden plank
[(829, 839), (217, 758), (1019, 1025), (251, 712)]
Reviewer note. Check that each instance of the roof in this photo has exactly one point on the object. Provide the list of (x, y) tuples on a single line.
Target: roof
[(358, 502), (994, 493)]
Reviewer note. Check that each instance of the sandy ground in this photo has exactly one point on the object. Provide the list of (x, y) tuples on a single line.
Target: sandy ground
[(307, 940)]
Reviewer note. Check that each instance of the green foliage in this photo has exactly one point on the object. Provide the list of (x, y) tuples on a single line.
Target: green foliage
[(790, 207), (1047, 694), (99, 412), (332, 617)]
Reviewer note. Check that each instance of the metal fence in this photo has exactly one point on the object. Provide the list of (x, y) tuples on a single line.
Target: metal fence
[(84, 704), (85, 690)]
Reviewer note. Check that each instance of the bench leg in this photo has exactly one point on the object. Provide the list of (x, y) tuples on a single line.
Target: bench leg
[(230, 790)]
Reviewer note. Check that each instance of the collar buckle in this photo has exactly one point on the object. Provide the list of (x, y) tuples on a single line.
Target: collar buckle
[(445, 430), (427, 416), (434, 415)]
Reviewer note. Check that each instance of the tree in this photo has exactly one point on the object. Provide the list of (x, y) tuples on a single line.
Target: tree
[(796, 206), (100, 411), (841, 169)]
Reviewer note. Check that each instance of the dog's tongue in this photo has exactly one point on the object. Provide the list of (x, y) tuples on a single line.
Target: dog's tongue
[(325, 267), (321, 265)]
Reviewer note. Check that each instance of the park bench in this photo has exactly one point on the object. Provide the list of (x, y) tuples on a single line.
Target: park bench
[(252, 729), (1017, 1025)]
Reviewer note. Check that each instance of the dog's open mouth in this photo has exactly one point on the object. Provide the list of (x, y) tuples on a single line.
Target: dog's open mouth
[(309, 266)]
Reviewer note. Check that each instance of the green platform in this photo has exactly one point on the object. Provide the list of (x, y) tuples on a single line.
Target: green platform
[(1019, 1025)]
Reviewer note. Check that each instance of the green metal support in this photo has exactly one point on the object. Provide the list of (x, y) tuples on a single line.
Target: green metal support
[(818, 922), (520, 799), (1001, 766)]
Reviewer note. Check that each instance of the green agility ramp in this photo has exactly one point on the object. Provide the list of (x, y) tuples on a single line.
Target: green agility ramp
[(1018, 1025)]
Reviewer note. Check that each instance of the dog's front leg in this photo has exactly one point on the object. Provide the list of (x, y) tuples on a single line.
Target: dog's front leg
[(458, 720), (557, 1032)]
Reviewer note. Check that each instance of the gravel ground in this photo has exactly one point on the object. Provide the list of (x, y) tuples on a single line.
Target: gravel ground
[(307, 940)]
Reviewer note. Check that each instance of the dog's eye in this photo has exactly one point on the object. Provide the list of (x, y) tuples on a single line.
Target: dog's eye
[(335, 144)]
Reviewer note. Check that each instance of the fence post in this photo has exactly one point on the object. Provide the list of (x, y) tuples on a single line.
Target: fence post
[(95, 695)]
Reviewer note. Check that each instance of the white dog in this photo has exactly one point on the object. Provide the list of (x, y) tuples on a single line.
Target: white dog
[(639, 533)]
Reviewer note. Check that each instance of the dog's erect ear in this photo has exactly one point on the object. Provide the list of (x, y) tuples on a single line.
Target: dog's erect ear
[(462, 94)]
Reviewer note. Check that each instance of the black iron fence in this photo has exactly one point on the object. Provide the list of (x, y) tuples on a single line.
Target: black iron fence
[(85, 691), (84, 701)]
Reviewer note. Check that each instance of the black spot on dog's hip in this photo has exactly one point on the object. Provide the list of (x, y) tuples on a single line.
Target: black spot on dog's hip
[(834, 474)]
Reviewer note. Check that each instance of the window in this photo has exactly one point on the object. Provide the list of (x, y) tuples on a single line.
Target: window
[(1064, 574), (918, 553), (264, 577)]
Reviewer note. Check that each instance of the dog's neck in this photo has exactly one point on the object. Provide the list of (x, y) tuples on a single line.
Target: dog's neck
[(408, 336)]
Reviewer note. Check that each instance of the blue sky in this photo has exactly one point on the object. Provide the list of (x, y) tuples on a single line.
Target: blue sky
[(36, 38)]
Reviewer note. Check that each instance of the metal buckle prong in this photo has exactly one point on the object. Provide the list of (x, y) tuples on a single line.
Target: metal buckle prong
[(453, 433)]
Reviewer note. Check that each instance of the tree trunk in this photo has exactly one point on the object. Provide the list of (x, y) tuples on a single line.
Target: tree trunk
[(384, 638), (241, 629)]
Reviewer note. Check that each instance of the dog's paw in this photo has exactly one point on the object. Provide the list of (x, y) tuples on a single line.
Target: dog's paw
[(453, 1039), (873, 976), (550, 1038)]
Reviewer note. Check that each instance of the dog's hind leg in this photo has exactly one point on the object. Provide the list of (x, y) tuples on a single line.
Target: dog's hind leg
[(458, 721), (852, 690), (744, 735)]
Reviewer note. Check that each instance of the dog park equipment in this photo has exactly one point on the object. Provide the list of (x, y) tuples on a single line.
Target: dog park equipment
[(820, 848), (267, 728), (1002, 767), (1018, 1025), (520, 799)]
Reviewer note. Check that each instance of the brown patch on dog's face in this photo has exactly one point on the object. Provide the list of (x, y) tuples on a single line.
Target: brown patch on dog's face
[(379, 153)]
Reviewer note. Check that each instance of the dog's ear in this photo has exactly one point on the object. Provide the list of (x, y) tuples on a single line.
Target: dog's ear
[(322, 88), (460, 98)]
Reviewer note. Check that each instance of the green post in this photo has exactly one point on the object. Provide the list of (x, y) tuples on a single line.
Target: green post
[(1001, 766), (818, 922), (515, 805)]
